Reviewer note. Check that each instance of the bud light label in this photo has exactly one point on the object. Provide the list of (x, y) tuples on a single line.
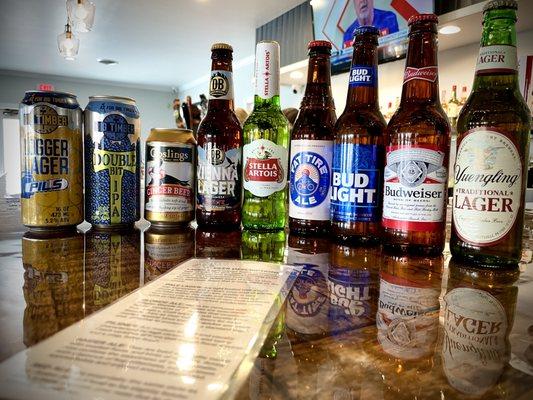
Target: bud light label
[(362, 75), (310, 179), (356, 183)]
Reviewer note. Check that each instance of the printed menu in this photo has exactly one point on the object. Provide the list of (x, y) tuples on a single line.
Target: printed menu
[(193, 333)]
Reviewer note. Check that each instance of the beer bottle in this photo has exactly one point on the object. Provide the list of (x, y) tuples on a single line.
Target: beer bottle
[(358, 152), (219, 191), (418, 144), (265, 152), (312, 147), (492, 149)]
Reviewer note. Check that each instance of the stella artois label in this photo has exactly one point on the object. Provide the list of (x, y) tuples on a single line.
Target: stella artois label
[(428, 74), (265, 167), (267, 70), (496, 59), (488, 186)]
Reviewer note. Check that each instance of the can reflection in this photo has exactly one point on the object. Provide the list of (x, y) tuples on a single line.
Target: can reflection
[(218, 244), (166, 248), (53, 282), (263, 246), (112, 265)]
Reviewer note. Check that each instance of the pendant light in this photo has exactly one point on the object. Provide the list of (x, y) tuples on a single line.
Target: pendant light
[(68, 43), (81, 14)]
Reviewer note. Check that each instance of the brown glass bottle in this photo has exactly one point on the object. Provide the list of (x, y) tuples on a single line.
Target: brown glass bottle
[(219, 179), (312, 148), (358, 150), (418, 145)]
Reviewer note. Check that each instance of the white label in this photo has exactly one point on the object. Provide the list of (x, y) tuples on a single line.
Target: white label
[(415, 188), (407, 318), (310, 179), (221, 85), (488, 187), (265, 167), (267, 70), (497, 58), (474, 349), (183, 336)]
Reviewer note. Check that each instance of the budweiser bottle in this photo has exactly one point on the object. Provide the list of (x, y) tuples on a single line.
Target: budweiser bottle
[(418, 143), (492, 149)]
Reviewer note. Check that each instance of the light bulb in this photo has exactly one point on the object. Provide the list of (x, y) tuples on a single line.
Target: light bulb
[(68, 44), (80, 12)]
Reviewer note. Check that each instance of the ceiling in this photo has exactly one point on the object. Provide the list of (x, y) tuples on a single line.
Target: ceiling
[(158, 43)]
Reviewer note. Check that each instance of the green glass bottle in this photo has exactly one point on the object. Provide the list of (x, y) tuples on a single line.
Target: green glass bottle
[(493, 131), (265, 152)]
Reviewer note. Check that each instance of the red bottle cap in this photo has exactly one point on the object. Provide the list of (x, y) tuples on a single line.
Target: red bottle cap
[(319, 43), (422, 17)]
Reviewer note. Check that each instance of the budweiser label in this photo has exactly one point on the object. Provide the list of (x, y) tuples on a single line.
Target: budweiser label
[(408, 317), (265, 167), (221, 85), (267, 70), (429, 74), (496, 59), (488, 186), (415, 188), (475, 348)]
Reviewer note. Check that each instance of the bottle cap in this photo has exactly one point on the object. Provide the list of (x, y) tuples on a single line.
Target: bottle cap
[(366, 29), (496, 4), (319, 43), (422, 17), (221, 46)]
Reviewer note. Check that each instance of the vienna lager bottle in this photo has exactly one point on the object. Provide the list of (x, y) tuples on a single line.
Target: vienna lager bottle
[(265, 152), (219, 186), (492, 149), (358, 152), (418, 144), (312, 147)]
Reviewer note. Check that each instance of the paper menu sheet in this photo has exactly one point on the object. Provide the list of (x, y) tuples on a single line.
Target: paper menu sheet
[(183, 336)]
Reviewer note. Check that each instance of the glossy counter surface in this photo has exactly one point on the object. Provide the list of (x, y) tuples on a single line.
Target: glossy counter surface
[(358, 324)]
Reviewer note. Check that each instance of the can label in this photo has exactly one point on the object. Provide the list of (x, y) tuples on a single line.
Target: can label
[(356, 183), (310, 179), (488, 186), (51, 176), (221, 85), (415, 188), (265, 167), (169, 177), (267, 70), (112, 163), (363, 75), (218, 177), (428, 74), (497, 59)]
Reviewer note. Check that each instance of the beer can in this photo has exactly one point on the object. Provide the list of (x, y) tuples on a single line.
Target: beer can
[(112, 162), (51, 148), (169, 188)]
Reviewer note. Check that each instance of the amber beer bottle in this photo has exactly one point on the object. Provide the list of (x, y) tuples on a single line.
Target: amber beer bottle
[(418, 144), (492, 149), (312, 147), (219, 181), (358, 151)]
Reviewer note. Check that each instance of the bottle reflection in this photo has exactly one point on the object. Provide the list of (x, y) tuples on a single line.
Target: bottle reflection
[(53, 282), (112, 266), (263, 246), (166, 248), (479, 307), (218, 244)]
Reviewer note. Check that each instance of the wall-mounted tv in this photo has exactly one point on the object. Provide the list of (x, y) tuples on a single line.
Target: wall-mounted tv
[(336, 20)]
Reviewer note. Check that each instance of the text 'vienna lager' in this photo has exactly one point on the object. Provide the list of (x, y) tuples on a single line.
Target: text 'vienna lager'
[(265, 152), (416, 175), (492, 149), (219, 183)]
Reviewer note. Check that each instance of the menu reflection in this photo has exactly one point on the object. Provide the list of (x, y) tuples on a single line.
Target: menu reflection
[(478, 313), (53, 283)]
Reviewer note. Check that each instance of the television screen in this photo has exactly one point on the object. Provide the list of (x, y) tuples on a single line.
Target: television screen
[(336, 20)]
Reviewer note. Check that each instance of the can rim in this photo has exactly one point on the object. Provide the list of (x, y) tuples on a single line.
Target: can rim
[(171, 130), (109, 97), (51, 91)]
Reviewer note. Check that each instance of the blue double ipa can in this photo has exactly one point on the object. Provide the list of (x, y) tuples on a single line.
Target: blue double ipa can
[(112, 162)]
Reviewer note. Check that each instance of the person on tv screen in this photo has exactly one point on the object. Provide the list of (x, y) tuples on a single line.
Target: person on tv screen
[(385, 21)]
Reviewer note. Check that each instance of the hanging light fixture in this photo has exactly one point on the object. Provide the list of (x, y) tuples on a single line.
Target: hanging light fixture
[(81, 14), (68, 43)]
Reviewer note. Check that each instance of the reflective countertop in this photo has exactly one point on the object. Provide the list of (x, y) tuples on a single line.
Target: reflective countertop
[(358, 323)]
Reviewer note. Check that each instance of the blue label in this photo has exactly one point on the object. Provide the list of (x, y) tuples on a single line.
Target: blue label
[(309, 179), (356, 183), (362, 75)]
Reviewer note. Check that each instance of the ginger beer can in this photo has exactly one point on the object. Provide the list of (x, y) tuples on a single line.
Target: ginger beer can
[(112, 162), (51, 147)]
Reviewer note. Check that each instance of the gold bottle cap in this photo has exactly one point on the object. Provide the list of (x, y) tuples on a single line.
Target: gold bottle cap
[(221, 46), (496, 4)]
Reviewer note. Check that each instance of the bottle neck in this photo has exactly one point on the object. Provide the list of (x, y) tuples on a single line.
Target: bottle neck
[(421, 83), (497, 62), (267, 76), (363, 78), (318, 87), (221, 86)]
